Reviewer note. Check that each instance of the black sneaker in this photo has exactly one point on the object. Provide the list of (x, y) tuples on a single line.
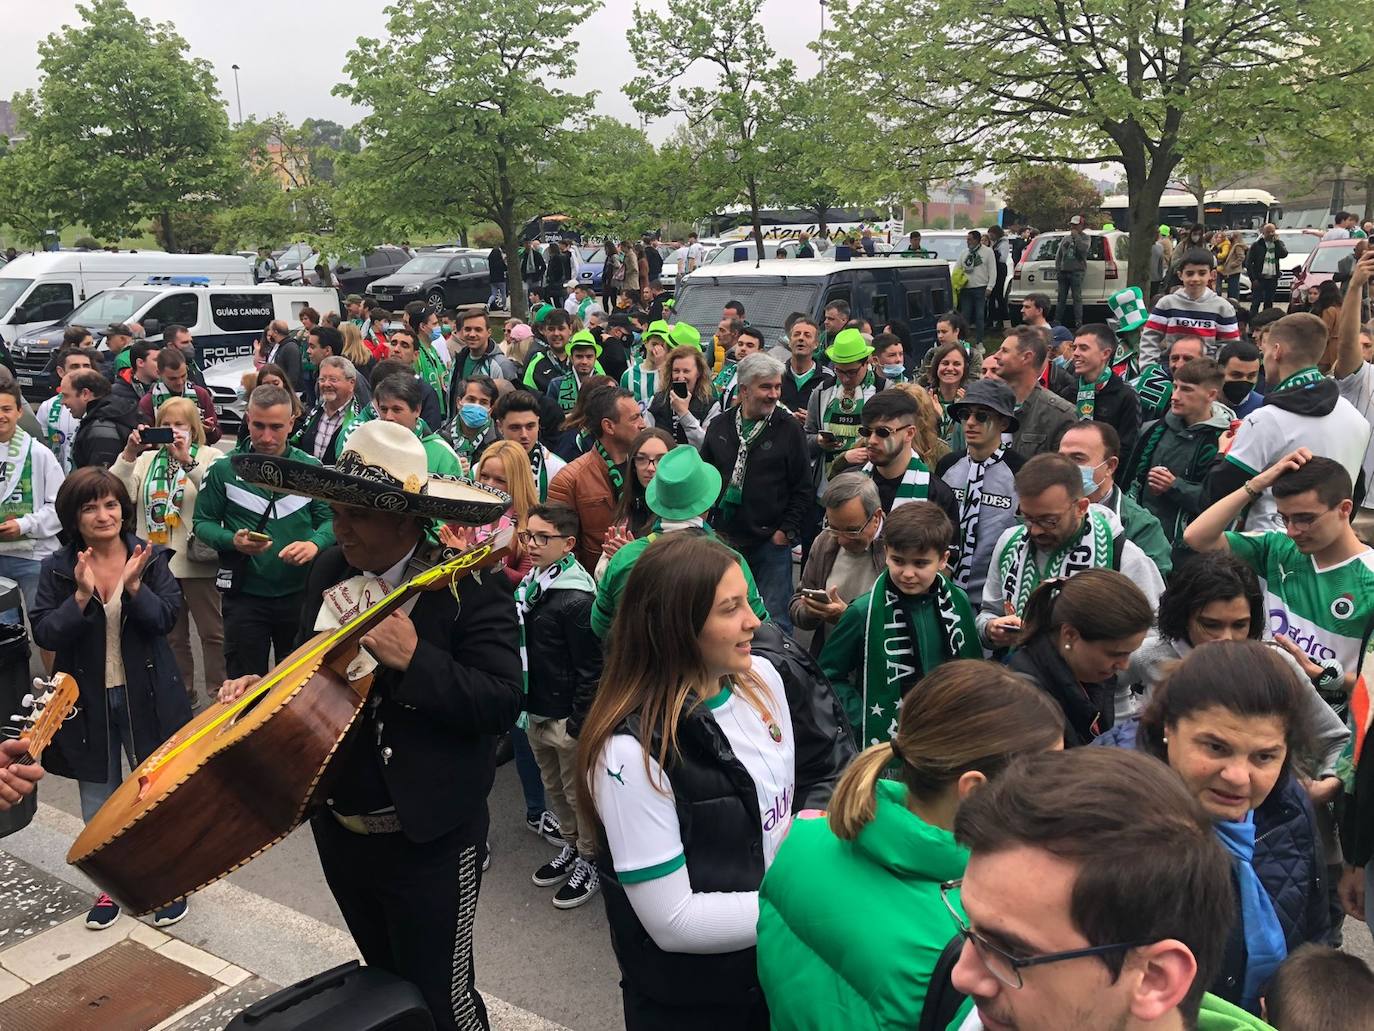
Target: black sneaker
[(103, 913), (557, 869), (168, 915), (580, 887), (547, 827)]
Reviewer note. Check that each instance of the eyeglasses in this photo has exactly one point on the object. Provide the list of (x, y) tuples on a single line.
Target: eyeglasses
[(850, 534), (1002, 964), (539, 540), (1049, 522), (1302, 520), (883, 432), (647, 461)]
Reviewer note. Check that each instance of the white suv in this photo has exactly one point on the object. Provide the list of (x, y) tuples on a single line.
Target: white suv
[(1105, 274)]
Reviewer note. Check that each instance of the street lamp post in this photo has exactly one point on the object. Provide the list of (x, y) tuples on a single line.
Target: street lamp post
[(822, 36), (237, 95)]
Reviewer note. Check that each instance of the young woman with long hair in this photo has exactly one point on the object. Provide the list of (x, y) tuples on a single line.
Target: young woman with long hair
[(632, 517), (687, 766), (950, 372), (831, 958), (686, 418), (504, 465)]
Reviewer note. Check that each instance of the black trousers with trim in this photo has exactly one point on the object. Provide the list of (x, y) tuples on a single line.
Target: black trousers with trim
[(258, 631), (410, 908)]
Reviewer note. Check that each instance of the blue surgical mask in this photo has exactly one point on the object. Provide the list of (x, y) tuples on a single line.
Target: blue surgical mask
[(893, 371), (1061, 362), (1087, 472), (474, 416), (436, 334)]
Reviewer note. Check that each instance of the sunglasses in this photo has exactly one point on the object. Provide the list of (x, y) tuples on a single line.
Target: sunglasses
[(979, 415), (883, 432)]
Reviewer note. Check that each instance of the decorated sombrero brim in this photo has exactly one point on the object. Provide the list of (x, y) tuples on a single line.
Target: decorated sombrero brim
[(355, 483)]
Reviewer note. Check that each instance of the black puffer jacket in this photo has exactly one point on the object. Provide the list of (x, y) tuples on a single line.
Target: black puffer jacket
[(156, 696), (564, 656), (104, 430), (1088, 709)]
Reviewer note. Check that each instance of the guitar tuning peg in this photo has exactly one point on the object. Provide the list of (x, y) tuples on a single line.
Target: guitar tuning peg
[(27, 701)]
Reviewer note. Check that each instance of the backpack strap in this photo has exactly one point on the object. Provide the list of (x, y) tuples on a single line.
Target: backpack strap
[(942, 1000)]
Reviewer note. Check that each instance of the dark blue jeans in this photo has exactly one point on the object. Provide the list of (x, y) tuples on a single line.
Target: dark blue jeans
[(973, 307), (531, 783), (771, 565)]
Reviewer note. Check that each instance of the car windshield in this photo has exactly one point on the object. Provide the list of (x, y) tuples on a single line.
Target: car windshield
[(946, 248), (1044, 247), (1300, 243), (592, 253), (109, 306), (1328, 259), (296, 254), (10, 289), (424, 265), (768, 304)]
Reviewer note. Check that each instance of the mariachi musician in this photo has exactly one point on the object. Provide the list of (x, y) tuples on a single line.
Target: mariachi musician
[(402, 836)]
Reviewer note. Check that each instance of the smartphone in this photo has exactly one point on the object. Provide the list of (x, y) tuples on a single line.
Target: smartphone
[(817, 596), (826, 438), (259, 538), (157, 435), (680, 389)]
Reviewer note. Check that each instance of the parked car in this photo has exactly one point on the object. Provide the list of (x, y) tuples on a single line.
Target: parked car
[(1300, 243), (593, 265), (225, 383), (728, 252), (354, 274), (1322, 263), (442, 278), (1105, 274)]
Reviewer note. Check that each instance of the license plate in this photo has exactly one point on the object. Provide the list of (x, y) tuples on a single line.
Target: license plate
[(381, 297), (26, 381), (1048, 274)]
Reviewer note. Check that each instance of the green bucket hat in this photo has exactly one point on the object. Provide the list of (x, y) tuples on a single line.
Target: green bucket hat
[(542, 312), (685, 335), (849, 347), (684, 486), (659, 328), (583, 338)]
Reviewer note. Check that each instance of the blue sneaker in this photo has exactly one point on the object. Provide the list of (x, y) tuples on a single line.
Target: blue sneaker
[(103, 913), (168, 915)]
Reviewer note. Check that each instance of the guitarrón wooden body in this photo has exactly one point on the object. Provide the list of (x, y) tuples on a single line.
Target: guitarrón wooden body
[(241, 775)]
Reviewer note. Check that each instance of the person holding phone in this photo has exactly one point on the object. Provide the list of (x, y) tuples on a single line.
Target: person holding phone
[(685, 404), (29, 481), (163, 467)]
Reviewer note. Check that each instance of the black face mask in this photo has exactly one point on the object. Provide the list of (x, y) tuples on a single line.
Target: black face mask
[(1237, 390)]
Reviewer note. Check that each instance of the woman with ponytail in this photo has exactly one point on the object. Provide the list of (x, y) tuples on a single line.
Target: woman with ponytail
[(1077, 634), (850, 919)]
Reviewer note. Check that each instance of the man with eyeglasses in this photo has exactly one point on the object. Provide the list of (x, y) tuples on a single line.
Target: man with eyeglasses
[(1057, 933), (885, 453), (1318, 575), (1061, 533), (983, 479)]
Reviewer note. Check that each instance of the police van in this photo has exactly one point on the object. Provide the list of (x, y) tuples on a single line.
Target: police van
[(882, 289), (38, 289), (223, 320)]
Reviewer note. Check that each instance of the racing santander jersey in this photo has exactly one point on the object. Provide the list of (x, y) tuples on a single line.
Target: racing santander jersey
[(1328, 613)]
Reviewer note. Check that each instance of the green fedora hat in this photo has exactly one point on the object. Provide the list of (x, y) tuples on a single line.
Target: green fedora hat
[(684, 486), (542, 312), (583, 338), (684, 334), (849, 347), (659, 328)]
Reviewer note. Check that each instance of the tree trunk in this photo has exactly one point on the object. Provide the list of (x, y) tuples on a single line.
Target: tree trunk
[(1145, 188), (168, 234), (754, 215), (1369, 197)]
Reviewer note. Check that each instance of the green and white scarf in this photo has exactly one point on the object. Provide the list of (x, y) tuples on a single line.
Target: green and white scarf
[(354, 415), (842, 415), (16, 479), (466, 447), (724, 378), (161, 393), (164, 491), (1155, 388), (532, 587), (434, 372), (1087, 393), (897, 654), (1301, 378), (1021, 575), (539, 469), (568, 388), (749, 432), (915, 485), (971, 511), (617, 478)]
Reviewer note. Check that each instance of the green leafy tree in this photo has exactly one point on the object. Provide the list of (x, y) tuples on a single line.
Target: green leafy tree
[(743, 105), (466, 118), (27, 205), (808, 151), (133, 126), (940, 87), (326, 140), (1047, 196)]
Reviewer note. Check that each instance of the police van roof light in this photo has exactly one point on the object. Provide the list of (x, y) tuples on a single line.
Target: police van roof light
[(178, 281)]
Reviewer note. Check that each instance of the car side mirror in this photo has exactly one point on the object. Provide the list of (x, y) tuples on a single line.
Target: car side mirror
[(344, 268), (21, 315), (151, 328)]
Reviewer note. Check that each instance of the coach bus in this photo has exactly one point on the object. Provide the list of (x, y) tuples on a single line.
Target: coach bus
[(1222, 209)]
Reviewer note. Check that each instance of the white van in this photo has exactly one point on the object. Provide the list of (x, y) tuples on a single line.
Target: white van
[(38, 289), (223, 320)]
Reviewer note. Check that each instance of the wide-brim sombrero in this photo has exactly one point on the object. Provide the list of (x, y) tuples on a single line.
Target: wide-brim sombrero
[(383, 467)]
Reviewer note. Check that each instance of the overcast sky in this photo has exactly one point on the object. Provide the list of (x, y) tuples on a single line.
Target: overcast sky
[(290, 55)]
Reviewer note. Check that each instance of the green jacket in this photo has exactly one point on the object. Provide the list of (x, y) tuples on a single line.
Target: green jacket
[(849, 931), (1219, 1015), (441, 458), (612, 582), (1188, 452), (226, 504), (1142, 529)]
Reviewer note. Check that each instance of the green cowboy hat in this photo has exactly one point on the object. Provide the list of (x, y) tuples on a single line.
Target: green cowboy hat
[(849, 347), (658, 328), (542, 312), (583, 338), (684, 486), (685, 335)]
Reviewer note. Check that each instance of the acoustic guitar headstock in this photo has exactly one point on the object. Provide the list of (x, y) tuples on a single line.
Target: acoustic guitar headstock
[(480, 556), (52, 701)]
